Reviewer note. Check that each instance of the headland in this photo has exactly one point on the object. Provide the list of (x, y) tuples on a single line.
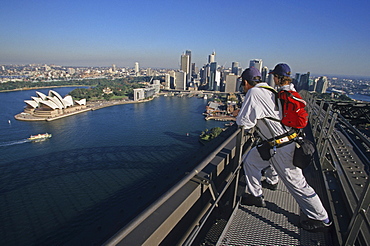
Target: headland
[(92, 105)]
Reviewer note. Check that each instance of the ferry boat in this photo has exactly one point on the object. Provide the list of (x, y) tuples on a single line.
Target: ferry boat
[(39, 137)]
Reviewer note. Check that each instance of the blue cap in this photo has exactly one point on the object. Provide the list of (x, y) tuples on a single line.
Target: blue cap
[(281, 69), (251, 74)]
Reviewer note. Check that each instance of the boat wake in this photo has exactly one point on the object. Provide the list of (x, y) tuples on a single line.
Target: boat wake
[(4, 144)]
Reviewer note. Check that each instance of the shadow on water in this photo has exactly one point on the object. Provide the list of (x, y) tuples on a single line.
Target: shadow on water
[(84, 194)]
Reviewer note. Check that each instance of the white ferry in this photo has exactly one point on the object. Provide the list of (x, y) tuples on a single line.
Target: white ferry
[(39, 137)]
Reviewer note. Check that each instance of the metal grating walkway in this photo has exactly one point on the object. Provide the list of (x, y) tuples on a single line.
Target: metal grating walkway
[(276, 224)]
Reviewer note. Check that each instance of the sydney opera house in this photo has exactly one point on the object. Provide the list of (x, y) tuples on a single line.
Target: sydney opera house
[(52, 105)]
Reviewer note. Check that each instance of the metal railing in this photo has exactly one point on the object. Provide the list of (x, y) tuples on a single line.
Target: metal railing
[(330, 129), (190, 205), (183, 214)]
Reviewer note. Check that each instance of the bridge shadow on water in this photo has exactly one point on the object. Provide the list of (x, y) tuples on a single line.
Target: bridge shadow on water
[(83, 196)]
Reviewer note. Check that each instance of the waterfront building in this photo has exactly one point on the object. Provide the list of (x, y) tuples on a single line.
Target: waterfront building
[(180, 80), (142, 93), (52, 105), (167, 79), (139, 94), (231, 83), (185, 65), (156, 85), (256, 63)]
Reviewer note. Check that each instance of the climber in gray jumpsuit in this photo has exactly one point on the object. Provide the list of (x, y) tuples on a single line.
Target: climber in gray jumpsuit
[(258, 104)]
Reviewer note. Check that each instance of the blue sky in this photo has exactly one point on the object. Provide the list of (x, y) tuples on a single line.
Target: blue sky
[(323, 37)]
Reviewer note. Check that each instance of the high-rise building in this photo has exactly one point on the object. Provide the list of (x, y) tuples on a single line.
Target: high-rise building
[(322, 84), (180, 80), (212, 76), (256, 63), (211, 58), (235, 68), (264, 74), (231, 83), (167, 80), (185, 65), (190, 72), (304, 81), (137, 70)]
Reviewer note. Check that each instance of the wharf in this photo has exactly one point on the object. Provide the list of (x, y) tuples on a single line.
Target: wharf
[(220, 118)]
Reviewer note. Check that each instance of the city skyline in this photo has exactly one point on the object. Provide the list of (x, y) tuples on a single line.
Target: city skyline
[(321, 37)]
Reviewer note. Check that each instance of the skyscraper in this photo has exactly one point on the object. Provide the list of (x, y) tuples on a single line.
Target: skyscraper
[(235, 68), (257, 63), (211, 58), (322, 84), (185, 64), (180, 80), (137, 68), (231, 83), (264, 74), (212, 76)]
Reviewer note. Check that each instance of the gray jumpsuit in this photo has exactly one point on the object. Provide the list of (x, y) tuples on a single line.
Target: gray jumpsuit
[(258, 104)]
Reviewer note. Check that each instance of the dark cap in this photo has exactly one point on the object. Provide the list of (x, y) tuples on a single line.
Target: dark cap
[(281, 69), (251, 74)]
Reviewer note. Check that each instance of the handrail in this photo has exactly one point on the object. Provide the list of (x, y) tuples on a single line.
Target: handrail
[(325, 121), (119, 236)]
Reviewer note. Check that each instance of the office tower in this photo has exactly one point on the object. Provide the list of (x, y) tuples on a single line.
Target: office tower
[(193, 71), (137, 68), (211, 58), (322, 84), (190, 74), (235, 68), (264, 74), (304, 82), (231, 83), (185, 65), (257, 63), (217, 82), (212, 76), (114, 68), (167, 80), (172, 79), (180, 80)]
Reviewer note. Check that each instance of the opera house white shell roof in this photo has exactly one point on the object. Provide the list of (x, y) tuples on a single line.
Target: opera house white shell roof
[(53, 100)]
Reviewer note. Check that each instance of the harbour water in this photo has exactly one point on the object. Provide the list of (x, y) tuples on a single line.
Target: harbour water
[(98, 170), (359, 97)]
